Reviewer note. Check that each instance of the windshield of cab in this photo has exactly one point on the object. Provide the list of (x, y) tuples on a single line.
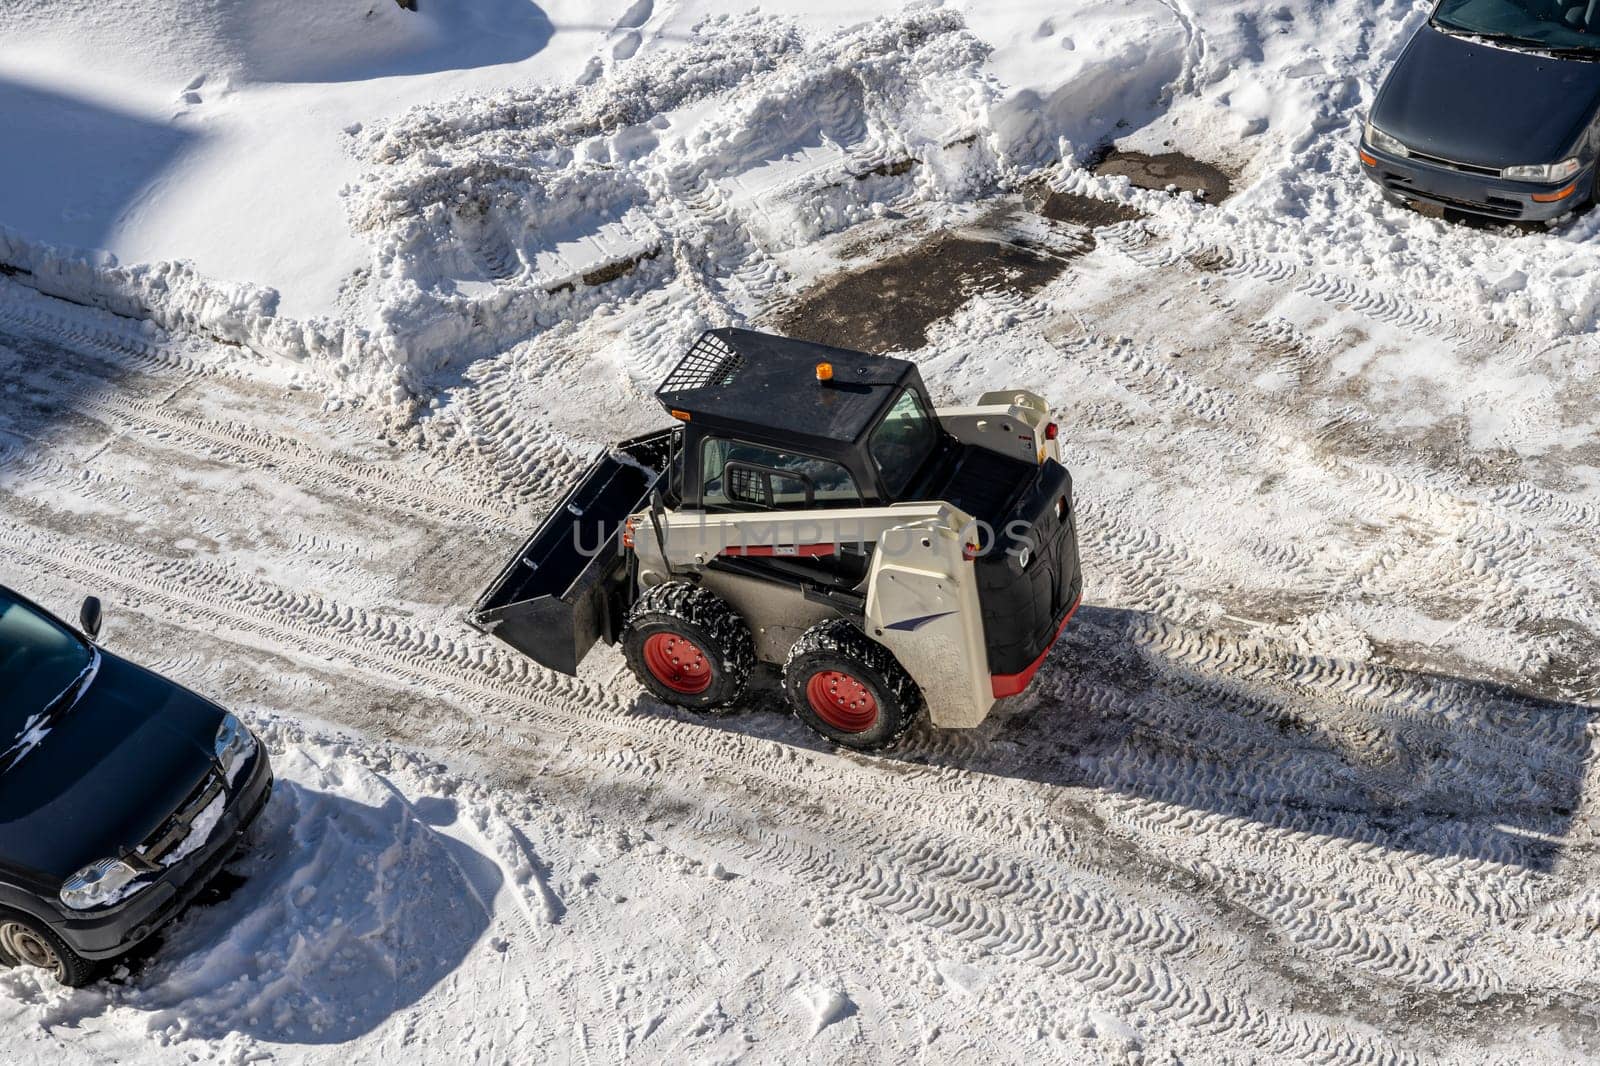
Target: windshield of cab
[(39, 661), (903, 441), (1562, 25)]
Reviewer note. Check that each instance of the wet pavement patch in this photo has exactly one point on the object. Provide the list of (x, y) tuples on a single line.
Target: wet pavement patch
[(1168, 170), (1083, 210), (889, 305)]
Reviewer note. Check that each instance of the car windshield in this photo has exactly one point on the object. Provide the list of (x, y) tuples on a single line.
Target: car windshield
[(1560, 25), (903, 441), (39, 661)]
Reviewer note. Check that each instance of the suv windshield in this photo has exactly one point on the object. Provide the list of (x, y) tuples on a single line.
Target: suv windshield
[(39, 661), (1552, 24), (903, 441)]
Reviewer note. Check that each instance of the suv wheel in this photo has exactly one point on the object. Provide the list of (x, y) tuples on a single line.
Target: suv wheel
[(688, 646), (26, 941), (849, 688)]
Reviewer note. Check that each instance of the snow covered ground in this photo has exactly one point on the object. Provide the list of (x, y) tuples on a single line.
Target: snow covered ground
[(1310, 778)]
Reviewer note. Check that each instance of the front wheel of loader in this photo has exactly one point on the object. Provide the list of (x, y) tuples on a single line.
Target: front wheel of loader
[(849, 688), (688, 646)]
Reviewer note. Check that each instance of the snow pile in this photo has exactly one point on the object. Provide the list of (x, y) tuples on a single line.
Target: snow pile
[(1071, 74), (825, 1004), (552, 168), (179, 299), (495, 218), (699, 147)]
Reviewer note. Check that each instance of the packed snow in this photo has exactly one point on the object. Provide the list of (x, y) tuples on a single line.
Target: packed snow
[(1307, 779)]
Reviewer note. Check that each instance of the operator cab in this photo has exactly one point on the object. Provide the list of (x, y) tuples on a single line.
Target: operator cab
[(765, 429)]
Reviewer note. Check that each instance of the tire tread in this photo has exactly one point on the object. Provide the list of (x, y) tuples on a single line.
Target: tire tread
[(840, 639), (707, 617)]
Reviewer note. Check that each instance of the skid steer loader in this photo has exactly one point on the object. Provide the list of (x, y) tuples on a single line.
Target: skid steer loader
[(810, 508)]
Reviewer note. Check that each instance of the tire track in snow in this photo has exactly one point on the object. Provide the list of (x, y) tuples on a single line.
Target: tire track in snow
[(1475, 548), (1146, 243), (29, 315), (374, 643), (1132, 981), (254, 449), (431, 674), (444, 661)]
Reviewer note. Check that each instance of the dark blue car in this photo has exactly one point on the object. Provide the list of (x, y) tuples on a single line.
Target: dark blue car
[(1491, 110), (121, 794)]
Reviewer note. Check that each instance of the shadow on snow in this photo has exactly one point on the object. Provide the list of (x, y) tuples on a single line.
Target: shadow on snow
[(73, 169), (1379, 755), (335, 916)]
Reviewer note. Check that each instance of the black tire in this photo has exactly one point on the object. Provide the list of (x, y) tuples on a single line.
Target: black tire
[(676, 612), (27, 941), (837, 647)]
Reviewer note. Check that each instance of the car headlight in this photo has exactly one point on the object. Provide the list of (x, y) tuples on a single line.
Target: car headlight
[(1543, 171), (234, 744), (99, 884), (1385, 143)]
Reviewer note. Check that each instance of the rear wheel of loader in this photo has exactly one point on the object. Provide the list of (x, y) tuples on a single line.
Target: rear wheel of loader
[(849, 688), (688, 646)]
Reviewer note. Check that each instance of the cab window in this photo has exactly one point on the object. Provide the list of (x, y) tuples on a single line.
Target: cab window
[(903, 441), (743, 477)]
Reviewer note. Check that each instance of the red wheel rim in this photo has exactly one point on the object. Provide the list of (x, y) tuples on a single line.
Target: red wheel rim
[(678, 663), (842, 701)]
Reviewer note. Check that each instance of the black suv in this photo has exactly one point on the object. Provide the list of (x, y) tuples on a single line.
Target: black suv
[(121, 794)]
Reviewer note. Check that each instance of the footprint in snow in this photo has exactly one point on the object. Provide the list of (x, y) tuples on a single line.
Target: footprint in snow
[(626, 45), (190, 94), (637, 15)]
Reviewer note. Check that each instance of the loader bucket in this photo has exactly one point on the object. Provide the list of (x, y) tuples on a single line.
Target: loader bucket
[(569, 584)]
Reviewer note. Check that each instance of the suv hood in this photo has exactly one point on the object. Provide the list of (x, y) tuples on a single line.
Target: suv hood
[(108, 772), (1476, 103)]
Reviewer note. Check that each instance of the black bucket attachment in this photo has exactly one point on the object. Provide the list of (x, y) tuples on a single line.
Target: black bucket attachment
[(570, 584)]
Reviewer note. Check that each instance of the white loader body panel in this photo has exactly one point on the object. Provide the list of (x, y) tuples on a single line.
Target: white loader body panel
[(922, 604), (697, 537), (1012, 422)]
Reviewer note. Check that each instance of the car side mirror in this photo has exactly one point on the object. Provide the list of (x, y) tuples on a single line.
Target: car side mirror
[(89, 616)]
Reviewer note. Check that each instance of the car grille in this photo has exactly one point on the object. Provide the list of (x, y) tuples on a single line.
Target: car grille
[(1465, 168), (170, 833), (1497, 206)]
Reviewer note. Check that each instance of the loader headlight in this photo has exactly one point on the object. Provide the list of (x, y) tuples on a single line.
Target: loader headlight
[(98, 884), (1385, 143), (234, 744), (1543, 171)]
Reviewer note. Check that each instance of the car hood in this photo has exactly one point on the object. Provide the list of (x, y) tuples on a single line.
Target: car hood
[(1475, 103), (109, 771)]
